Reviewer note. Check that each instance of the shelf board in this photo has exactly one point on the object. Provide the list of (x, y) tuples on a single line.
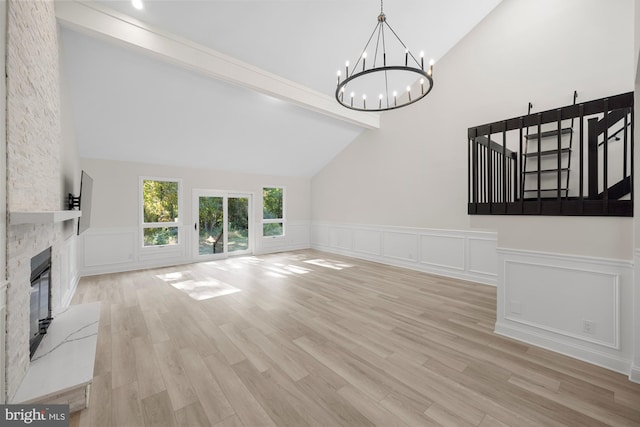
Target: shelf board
[(42, 217)]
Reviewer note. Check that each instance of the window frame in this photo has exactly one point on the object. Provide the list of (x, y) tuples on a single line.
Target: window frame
[(282, 220), (147, 225)]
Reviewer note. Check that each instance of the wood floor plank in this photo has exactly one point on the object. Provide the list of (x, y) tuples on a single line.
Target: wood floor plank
[(192, 416), (206, 388), (315, 339), (126, 406), (148, 374), (157, 411), (242, 400), (176, 381)]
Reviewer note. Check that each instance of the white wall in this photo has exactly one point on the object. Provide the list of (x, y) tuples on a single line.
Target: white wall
[(113, 242), (413, 171)]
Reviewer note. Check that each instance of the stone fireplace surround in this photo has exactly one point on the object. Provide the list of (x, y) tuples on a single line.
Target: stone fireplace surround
[(34, 175)]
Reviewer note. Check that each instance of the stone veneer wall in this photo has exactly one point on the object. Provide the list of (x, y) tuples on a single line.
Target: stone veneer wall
[(33, 163)]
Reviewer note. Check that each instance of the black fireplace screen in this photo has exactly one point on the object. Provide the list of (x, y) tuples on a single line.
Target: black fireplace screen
[(40, 306)]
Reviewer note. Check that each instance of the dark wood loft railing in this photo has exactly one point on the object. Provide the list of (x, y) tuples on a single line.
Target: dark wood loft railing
[(574, 160)]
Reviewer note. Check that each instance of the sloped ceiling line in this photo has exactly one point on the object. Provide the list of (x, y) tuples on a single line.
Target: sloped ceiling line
[(92, 19)]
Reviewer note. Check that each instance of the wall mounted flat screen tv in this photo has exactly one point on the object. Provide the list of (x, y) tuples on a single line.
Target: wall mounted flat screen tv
[(86, 194)]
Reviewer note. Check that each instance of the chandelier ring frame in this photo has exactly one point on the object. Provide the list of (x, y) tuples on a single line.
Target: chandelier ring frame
[(385, 69)]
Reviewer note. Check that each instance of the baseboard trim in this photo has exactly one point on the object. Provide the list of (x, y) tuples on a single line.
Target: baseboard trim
[(634, 374), (585, 354)]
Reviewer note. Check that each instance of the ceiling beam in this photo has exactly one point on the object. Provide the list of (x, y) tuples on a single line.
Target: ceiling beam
[(97, 21)]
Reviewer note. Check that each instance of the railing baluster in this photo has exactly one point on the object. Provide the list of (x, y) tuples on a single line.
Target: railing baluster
[(504, 166), (559, 177), (490, 174), (631, 109), (581, 167), (626, 151), (605, 158), (521, 160), (539, 162)]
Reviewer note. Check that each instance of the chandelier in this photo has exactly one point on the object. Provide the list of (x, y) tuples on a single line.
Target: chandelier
[(397, 81)]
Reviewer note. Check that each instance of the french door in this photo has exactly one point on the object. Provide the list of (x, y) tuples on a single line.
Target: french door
[(222, 224)]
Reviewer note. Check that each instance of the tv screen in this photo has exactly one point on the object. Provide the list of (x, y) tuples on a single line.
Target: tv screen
[(86, 190)]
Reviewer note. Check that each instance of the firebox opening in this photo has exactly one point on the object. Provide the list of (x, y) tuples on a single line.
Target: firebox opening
[(40, 306)]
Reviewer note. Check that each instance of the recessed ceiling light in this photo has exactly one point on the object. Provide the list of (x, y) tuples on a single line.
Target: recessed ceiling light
[(137, 4)]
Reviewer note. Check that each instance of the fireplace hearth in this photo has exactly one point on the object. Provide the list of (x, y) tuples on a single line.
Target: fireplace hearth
[(40, 306)]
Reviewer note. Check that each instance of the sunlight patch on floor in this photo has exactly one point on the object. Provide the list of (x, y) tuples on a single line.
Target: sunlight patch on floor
[(328, 263), (199, 290), (283, 270)]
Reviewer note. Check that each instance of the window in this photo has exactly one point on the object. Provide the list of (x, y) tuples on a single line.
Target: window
[(273, 211), (160, 212)]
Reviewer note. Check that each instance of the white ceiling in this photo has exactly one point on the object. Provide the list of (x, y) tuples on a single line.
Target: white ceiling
[(129, 106)]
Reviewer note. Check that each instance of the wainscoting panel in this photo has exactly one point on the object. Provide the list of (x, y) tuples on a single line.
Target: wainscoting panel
[(580, 298), (296, 237), (575, 305), (445, 252), (634, 374), (400, 245), (482, 258), (109, 247), (341, 238), (320, 234), (367, 242), (68, 273)]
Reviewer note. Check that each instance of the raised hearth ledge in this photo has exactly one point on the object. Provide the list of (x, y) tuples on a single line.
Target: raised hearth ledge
[(62, 367), (42, 217)]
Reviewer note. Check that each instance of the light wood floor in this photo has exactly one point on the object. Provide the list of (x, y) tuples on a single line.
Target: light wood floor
[(310, 338)]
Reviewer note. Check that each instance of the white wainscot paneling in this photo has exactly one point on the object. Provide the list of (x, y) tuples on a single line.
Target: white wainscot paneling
[(561, 300), (442, 251), (298, 234), (367, 242), (319, 235), (69, 274), (341, 238), (446, 252), (108, 247), (400, 245), (481, 256), (296, 237)]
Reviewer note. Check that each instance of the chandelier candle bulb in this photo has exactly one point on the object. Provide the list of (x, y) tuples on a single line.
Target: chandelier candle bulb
[(422, 59), (339, 76), (395, 98), (421, 86), (380, 101), (352, 95), (364, 60), (364, 100), (406, 57), (347, 67), (431, 62), (409, 92)]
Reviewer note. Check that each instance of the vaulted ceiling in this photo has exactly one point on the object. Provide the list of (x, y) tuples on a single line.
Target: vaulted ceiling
[(146, 105)]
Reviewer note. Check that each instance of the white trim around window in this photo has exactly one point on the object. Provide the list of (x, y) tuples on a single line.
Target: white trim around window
[(177, 223)]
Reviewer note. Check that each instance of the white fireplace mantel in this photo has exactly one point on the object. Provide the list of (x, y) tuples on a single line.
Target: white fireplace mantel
[(42, 217)]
